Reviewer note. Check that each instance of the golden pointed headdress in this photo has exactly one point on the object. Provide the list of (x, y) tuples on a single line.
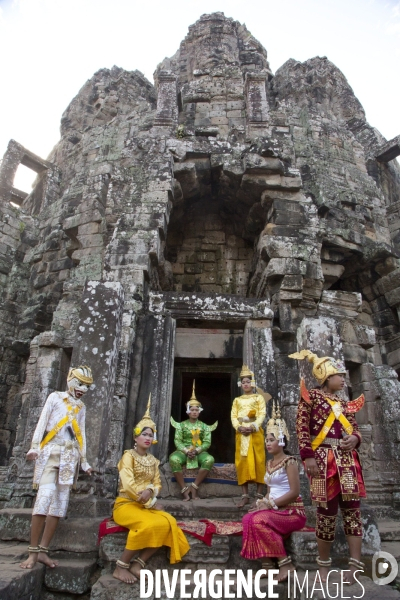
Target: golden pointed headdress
[(323, 367), (146, 421), (245, 372), (83, 373), (277, 426), (193, 400)]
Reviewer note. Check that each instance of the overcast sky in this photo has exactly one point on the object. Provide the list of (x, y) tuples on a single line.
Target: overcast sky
[(49, 48)]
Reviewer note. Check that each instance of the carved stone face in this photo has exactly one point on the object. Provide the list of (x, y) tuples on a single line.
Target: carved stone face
[(76, 388)]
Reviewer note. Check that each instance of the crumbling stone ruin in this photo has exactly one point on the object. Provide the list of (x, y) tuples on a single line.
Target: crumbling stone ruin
[(224, 215)]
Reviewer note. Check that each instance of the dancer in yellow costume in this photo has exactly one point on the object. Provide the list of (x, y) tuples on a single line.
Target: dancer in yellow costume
[(137, 508), (247, 415)]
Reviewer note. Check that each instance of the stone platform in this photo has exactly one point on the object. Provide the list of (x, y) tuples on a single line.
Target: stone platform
[(85, 569)]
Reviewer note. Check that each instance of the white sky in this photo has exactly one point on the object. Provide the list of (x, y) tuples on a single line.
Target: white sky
[(49, 48)]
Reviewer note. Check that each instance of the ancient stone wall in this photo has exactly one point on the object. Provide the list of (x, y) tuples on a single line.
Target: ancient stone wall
[(222, 195)]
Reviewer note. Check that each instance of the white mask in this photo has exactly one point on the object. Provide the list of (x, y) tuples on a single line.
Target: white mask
[(76, 388)]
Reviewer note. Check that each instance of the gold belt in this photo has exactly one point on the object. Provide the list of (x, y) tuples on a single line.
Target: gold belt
[(329, 441)]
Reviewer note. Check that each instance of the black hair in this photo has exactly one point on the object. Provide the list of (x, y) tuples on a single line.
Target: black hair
[(147, 427)]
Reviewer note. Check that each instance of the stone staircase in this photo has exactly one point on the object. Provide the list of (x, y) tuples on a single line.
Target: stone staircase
[(85, 569)]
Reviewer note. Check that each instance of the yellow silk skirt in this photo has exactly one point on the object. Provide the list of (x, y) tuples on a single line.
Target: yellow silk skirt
[(150, 528), (251, 467)]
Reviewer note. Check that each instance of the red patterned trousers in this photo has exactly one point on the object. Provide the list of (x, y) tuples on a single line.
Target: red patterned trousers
[(326, 518)]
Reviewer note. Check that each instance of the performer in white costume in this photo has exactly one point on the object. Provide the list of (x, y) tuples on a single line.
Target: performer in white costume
[(58, 445)]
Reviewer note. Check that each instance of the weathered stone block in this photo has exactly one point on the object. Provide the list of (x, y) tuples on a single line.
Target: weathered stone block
[(72, 576)]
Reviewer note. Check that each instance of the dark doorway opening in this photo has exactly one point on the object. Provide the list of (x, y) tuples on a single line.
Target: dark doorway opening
[(216, 386)]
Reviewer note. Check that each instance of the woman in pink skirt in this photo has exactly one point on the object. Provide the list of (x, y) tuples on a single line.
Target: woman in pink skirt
[(281, 511)]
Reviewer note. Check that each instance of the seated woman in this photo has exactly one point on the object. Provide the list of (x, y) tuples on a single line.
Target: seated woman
[(136, 507), (281, 511)]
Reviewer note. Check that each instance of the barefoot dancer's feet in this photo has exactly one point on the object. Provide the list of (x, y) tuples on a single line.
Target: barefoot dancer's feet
[(245, 500), (285, 567), (323, 568), (354, 565), (185, 493), (44, 559), (31, 561), (193, 491), (123, 573), (137, 565), (267, 564)]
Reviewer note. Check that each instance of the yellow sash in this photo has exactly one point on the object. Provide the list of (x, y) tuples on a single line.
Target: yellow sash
[(67, 419), (336, 413)]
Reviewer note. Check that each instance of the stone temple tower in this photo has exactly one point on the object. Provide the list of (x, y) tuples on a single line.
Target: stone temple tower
[(224, 215)]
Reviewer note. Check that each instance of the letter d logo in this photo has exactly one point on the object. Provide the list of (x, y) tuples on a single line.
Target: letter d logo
[(384, 564)]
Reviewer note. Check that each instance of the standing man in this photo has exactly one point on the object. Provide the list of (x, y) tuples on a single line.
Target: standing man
[(328, 437), (58, 445), (247, 416)]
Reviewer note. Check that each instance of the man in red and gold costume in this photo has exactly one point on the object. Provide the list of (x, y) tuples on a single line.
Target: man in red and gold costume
[(328, 437)]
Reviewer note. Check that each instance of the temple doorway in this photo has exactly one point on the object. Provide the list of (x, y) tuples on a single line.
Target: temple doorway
[(216, 386)]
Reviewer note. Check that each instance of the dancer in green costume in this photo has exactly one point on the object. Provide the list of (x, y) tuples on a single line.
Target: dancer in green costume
[(192, 440)]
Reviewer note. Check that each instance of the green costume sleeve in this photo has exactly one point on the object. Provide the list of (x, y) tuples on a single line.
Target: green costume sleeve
[(178, 440), (205, 437)]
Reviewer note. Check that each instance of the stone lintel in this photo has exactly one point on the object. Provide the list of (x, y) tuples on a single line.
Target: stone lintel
[(389, 151), (18, 196), (222, 307)]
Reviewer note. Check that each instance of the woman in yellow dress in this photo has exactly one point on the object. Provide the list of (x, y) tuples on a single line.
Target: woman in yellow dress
[(247, 415), (137, 508)]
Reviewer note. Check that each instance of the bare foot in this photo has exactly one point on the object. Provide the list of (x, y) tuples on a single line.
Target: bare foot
[(194, 494), (323, 573), (284, 572), (135, 569), (46, 560), (243, 502), (30, 562), (124, 575), (349, 577), (186, 496)]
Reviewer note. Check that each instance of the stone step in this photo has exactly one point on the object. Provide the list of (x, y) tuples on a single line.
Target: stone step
[(72, 575), (108, 588), (3, 473), (72, 535), (389, 530), (223, 509), (393, 547), (17, 583)]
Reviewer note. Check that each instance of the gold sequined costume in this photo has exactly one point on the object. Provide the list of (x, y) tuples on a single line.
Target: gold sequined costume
[(249, 410), (148, 527)]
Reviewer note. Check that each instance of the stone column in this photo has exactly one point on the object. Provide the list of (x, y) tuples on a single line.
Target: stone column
[(46, 371), (258, 353), (97, 344), (256, 98), (167, 100), (154, 374)]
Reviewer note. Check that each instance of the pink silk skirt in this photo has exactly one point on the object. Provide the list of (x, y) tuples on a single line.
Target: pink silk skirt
[(265, 530)]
